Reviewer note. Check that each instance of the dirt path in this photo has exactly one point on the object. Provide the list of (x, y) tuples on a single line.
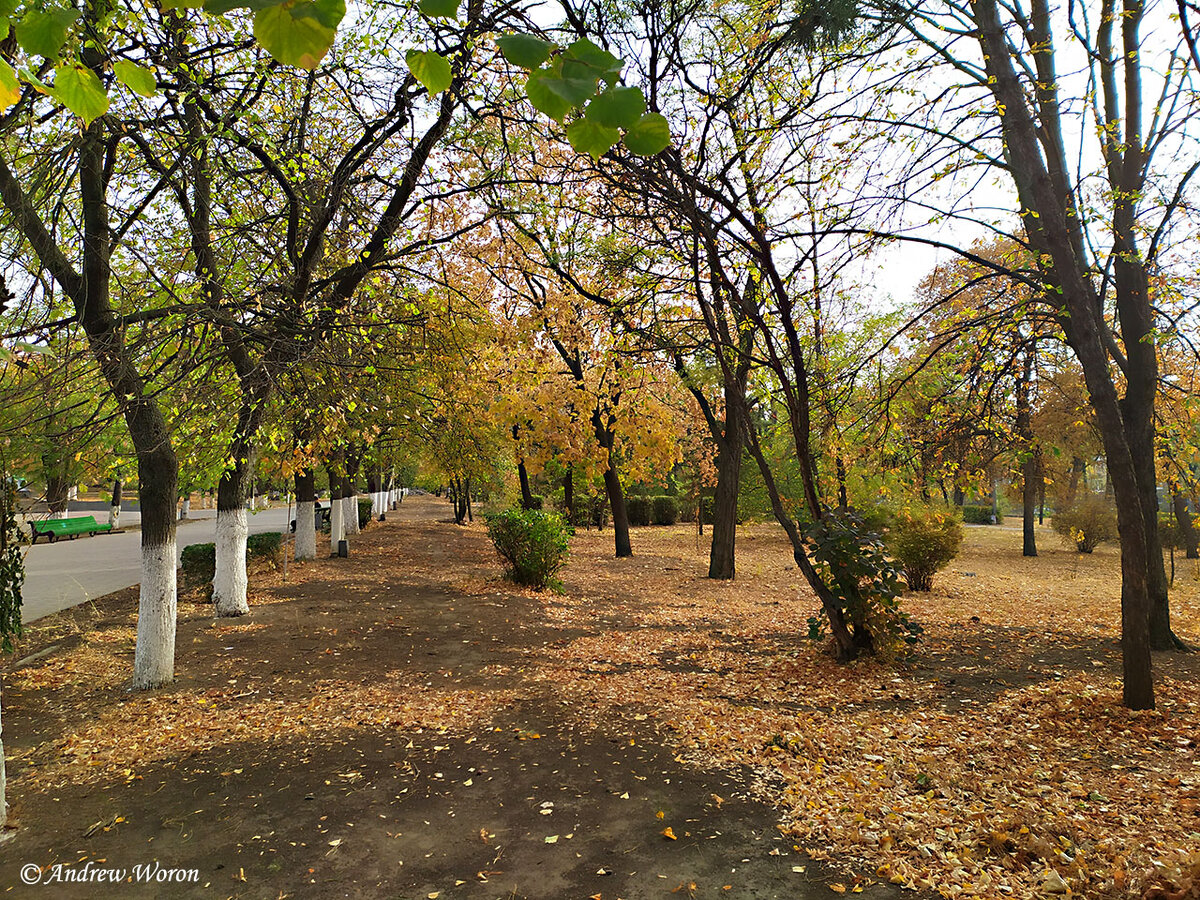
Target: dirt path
[(375, 728)]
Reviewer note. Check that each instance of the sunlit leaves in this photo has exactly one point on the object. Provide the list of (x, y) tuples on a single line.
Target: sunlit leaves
[(544, 99), (444, 8), (10, 89), (525, 50), (299, 34), (590, 137), (649, 135), (431, 69), (621, 107), (138, 79), (80, 91), (43, 33)]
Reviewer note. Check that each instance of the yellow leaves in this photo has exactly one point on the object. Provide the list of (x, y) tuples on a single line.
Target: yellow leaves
[(669, 834)]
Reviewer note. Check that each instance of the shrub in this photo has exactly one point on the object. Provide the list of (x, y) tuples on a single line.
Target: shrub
[(589, 511), (364, 511), (851, 561), (666, 510), (923, 542), (536, 501), (707, 507), (639, 510), (532, 545), (267, 547), (199, 563), (1087, 524), (981, 515), (877, 518), (1170, 535)]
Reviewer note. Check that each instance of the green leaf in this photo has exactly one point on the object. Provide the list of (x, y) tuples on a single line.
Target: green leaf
[(299, 35), (617, 108), (10, 88), (80, 91), (137, 78), (8, 7), (168, 5), (583, 53), (431, 69), (649, 135), (525, 50), (545, 100), (44, 33), (446, 8), (587, 136)]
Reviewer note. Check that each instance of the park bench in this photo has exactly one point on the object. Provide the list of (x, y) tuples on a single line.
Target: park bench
[(53, 529)]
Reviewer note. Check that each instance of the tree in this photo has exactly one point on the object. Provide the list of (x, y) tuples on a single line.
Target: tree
[(1093, 250)]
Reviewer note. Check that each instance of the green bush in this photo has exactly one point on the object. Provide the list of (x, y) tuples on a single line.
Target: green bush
[(536, 501), (364, 511), (707, 506), (981, 515), (639, 510), (877, 518), (532, 545), (199, 563), (666, 510), (1087, 524), (923, 542), (1170, 535), (590, 511), (267, 547)]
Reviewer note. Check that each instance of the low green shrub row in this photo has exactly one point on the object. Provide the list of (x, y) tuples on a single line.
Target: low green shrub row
[(658, 510), (365, 506), (981, 515), (199, 561)]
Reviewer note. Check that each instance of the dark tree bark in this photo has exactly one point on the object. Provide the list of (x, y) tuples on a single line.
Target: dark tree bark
[(1187, 528), (1028, 454), (1052, 224), (1078, 475)]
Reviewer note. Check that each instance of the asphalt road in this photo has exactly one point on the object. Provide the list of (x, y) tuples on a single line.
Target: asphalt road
[(67, 573)]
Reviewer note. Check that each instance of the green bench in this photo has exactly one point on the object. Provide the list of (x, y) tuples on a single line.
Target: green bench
[(53, 529)]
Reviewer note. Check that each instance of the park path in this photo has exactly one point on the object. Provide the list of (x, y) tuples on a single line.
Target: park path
[(420, 756)]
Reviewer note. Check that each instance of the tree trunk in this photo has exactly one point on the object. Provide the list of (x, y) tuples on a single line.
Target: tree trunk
[(306, 515), (959, 497), (57, 489), (1078, 474), (350, 496), (154, 655), (337, 510), (620, 514), (467, 497), (229, 577), (1029, 455), (721, 555), (185, 507), (526, 493), (1187, 528), (114, 505)]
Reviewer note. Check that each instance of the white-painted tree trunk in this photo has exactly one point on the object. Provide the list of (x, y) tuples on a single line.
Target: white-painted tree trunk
[(376, 505), (114, 517), (185, 508), (306, 530), (59, 515), (337, 528), (154, 658), (229, 579), (350, 514)]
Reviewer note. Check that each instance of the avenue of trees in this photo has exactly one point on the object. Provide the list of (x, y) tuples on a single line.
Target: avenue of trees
[(626, 253)]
